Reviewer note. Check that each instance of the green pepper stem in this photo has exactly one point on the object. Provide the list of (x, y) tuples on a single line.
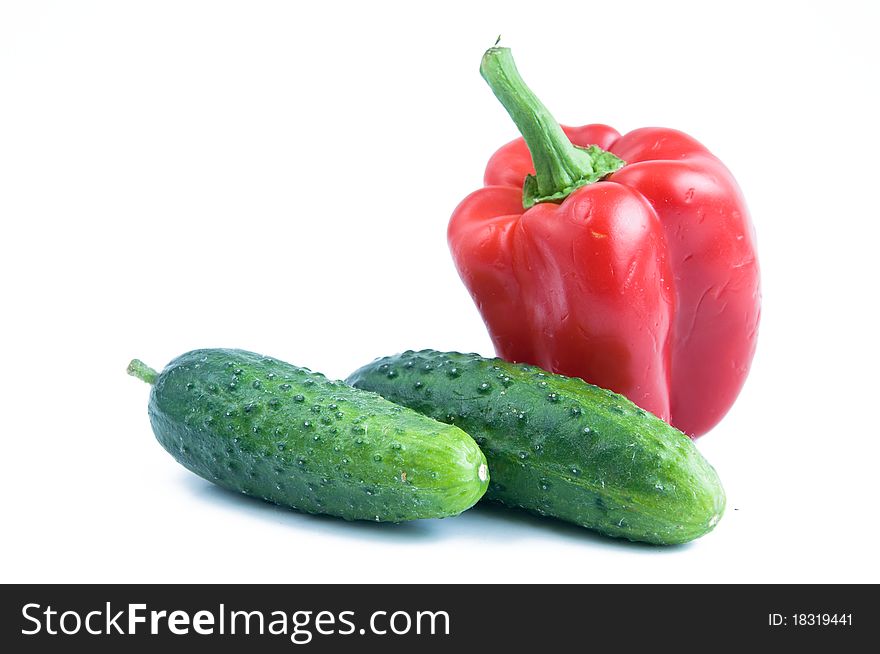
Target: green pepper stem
[(560, 167), (142, 371)]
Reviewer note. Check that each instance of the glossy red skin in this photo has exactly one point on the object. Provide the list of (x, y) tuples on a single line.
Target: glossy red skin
[(646, 283)]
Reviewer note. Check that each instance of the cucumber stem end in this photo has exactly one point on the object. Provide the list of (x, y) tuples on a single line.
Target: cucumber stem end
[(142, 371)]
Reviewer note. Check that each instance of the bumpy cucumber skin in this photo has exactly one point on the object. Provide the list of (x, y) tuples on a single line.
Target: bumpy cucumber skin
[(560, 447), (290, 436)]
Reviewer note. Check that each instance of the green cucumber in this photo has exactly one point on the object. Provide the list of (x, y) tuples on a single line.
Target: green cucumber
[(560, 447), (290, 436)]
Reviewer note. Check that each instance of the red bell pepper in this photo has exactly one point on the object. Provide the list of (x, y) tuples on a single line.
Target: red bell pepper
[(626, 260)]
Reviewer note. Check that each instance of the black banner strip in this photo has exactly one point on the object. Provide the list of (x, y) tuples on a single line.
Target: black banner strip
[(428, 618)]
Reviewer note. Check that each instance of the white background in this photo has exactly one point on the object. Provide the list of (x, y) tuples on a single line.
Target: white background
[(277, 176)]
